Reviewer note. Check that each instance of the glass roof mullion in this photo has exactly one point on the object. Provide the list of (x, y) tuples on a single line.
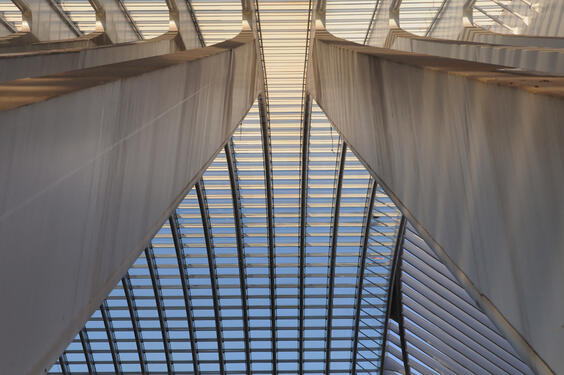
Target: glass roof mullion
[(303, 217), (128, 291), (365, 237), (179, 248), (266, 146), (240, 251), (196, 27), (108, 325), (64, 363), (394, 305), (436, 18), (130, 20), (87, 349), (151, 263), (370, 25), (333, 256), (206, 225)]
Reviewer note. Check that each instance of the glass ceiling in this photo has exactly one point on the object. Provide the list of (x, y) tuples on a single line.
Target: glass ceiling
[(218, 291)]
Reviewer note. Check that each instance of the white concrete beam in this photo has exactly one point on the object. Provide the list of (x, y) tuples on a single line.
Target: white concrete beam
[(22, 65), (474, 156), (91, 164)]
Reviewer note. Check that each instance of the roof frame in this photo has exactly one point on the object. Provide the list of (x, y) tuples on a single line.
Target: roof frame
[(151, 263), (87, 349), (179, 249), (65, 17), (206, 225), (234, 182), (265, 135), (128, 291), (303, 219), (394, 299), (110, 332), (129, 19), (373, 186), (334, 238)]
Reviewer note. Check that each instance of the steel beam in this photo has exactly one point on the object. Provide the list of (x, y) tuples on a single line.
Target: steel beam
[(87, 349), (394, 307), (362, 265), (265, 134), (64, 17), (129, 19), (471, 154), (333, 256), (238, 218), (303, 224), (179, 248), (68, 164), (153, 271), (110, 332), (132, 307), (206, 225), (63, 362), (195, 23), (7, 24)]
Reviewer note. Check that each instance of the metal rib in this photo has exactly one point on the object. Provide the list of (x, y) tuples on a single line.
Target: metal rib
[(87, 351), (151, 262), (130, 20), (8, 24), (240, 248), (64, 17), (265, 133), (63, 362), (195, 22), (202, 202), (179, 247), (128, 291), (303, 215), (334, 237), (369, 29), (108, 325), (395, 282), (440, 11), (365, 239)]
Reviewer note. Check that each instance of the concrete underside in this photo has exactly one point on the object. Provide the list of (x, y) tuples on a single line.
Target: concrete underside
[(91, 164), (474, 156)]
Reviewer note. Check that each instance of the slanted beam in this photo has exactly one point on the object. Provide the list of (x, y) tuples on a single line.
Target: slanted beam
[(206, 226), (64, 17), (127, 18), (373, 187), (472, 155), (266, 150), (110, 333), (87, 349), (333, 256), (82, 178), (238, 218), (182, 268), (132, 307), (393, 308), (303, 222), (63, 362), (159, 300), (7, 24)]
